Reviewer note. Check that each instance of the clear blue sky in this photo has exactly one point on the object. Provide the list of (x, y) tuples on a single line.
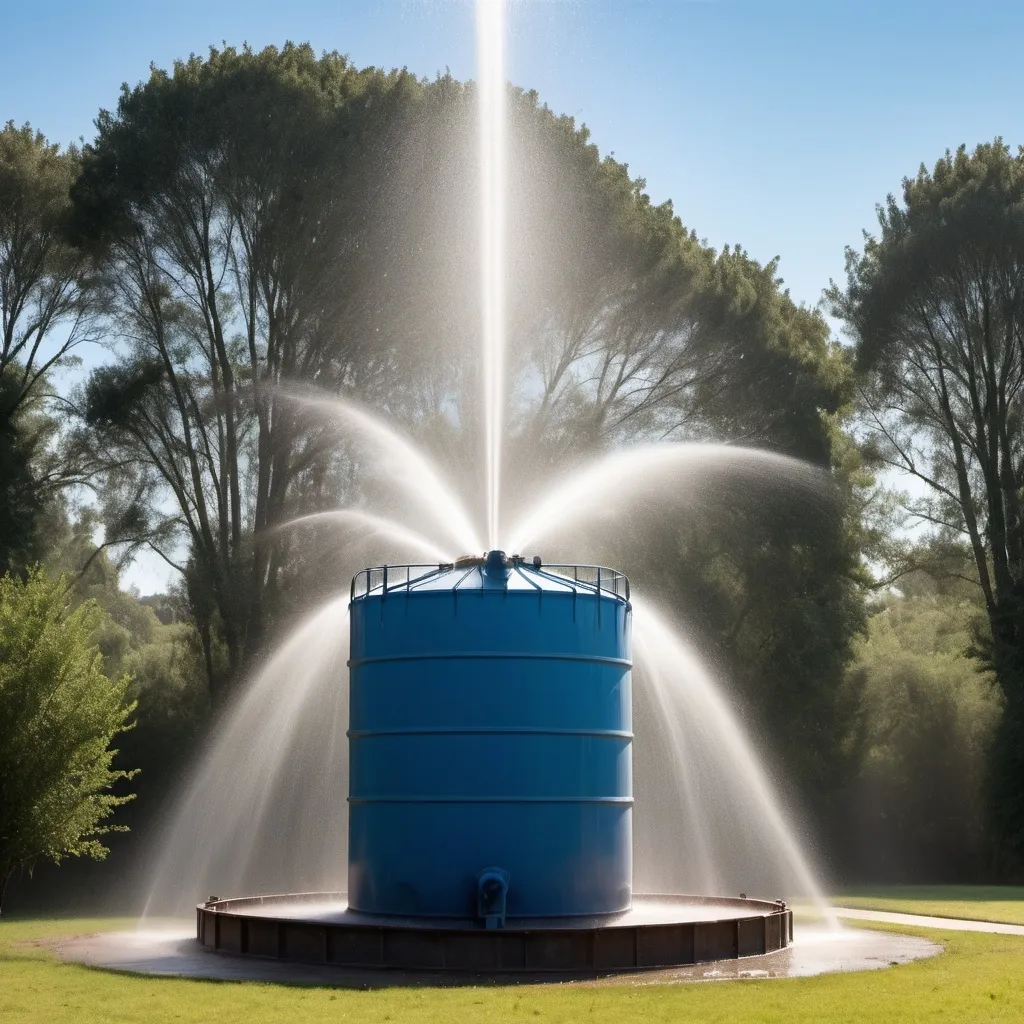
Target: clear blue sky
[(777, 125)]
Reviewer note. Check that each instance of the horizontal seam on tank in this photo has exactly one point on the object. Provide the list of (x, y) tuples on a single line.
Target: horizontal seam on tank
[(493, 655), (359, 734), (491, 800)]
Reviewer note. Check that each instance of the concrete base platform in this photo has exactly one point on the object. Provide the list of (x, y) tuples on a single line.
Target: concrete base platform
[(659, 931), (173, 952)]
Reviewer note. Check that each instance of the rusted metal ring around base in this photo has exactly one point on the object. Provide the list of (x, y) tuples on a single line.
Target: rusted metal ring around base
[(249, 926)]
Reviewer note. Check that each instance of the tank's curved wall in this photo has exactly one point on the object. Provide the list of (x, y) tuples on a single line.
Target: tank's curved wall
[(490, 728)]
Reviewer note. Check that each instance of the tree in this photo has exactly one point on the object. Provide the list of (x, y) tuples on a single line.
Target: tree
[(358, 193), (226, 201), (45, 282), (46, 311), (58, 716), (936, 305), (21, 498), (925, 717), (164, 661)]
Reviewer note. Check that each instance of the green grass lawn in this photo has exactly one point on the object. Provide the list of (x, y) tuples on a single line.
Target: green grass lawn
[(979, 978), (1004, 903)]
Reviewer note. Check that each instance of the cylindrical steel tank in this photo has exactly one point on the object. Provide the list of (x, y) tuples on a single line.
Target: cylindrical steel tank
[(490, 741)]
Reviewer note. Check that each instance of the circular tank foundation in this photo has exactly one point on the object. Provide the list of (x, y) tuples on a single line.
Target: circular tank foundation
[(657, 932), (491, 791)]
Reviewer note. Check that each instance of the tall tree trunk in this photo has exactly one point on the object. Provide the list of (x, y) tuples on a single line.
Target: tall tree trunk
[(206, 640), (6, 874)]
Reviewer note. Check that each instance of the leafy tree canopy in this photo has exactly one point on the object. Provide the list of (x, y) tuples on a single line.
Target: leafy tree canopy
[(273, 217), (58, 716), (924, 719), (935, 303), (45, 283)]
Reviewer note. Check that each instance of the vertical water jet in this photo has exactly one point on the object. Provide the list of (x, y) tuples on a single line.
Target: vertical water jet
[(490, 34)]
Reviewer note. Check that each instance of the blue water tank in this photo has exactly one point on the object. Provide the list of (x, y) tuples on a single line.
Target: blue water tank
[(490, 741)]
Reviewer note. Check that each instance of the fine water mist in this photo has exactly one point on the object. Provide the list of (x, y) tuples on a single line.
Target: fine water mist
[(265, 808), (727, 832)]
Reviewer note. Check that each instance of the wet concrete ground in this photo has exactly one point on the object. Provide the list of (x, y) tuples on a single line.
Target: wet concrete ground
[(175, 952)]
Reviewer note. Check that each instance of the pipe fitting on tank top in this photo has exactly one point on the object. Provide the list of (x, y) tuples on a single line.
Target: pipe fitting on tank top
[(497, 566), (491, 896)]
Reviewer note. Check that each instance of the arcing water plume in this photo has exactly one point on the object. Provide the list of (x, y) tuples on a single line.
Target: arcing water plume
[(393, 531), (265, 808), (406, 467), (274, 778), (490, 22), (630, 476), (669, 855), (733, 806)]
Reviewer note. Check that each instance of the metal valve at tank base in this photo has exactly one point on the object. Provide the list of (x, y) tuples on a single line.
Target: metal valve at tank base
[(492, 896)]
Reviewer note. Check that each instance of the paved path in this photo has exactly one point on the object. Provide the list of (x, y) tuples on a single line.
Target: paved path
[(951, 924)]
